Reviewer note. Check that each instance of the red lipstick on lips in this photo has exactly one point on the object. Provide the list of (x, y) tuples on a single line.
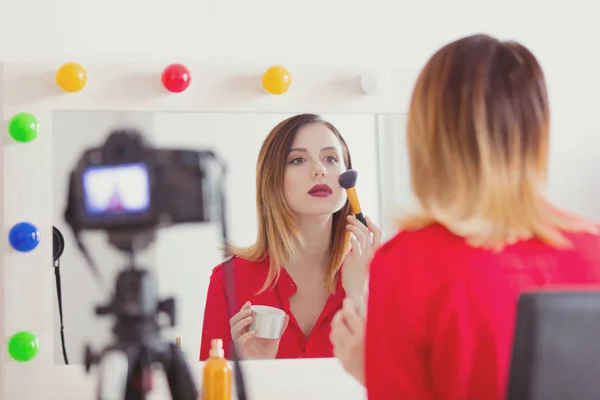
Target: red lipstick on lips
[(320, 191)]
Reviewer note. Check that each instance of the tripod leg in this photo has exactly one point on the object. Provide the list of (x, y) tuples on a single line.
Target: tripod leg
[(181, 382), (139, 381), (114, 371)]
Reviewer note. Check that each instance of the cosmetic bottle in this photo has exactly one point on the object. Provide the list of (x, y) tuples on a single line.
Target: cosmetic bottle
[(216, 380)]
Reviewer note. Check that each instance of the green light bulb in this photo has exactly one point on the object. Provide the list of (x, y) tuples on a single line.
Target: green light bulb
[(23, 127), (23, 346)]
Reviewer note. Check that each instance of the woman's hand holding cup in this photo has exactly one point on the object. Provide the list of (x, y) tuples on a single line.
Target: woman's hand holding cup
[(257, 331)]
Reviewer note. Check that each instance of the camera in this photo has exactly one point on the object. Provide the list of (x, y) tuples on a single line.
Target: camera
[(128, 185), (128, 188)]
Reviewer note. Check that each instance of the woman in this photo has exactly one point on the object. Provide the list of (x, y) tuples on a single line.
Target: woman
[(304, 234), (443, 292)]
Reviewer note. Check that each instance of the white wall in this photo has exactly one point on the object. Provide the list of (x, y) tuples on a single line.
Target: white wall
[(182, 256), (315, 32)]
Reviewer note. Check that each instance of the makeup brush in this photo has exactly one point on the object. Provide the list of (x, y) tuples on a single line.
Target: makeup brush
[(348, 181)]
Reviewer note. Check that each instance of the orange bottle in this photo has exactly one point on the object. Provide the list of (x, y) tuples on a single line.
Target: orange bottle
[(216, 382)]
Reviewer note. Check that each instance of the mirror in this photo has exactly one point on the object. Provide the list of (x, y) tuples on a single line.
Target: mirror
[(183, 256)]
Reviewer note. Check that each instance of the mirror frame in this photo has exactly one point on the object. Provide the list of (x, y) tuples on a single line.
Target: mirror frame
[(27, 283)]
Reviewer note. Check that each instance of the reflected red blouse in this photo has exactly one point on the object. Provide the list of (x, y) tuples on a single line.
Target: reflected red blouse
[(249, 277)]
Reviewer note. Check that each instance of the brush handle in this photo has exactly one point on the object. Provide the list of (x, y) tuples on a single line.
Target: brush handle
[(361, 218)]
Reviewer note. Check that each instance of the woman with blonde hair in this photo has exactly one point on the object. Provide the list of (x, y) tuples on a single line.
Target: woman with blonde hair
[(300, 262), (443, 292)]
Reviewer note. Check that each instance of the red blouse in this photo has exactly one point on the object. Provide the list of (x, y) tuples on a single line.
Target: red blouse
[(441, 313), (249, 278)]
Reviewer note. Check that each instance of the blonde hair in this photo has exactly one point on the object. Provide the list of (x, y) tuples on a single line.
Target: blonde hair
[(278, 236), (478, 139)]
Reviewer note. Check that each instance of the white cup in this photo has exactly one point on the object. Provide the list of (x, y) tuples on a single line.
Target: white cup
[(267, 321)]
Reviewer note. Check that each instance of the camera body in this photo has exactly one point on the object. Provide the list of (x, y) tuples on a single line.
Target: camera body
[(126, 184)]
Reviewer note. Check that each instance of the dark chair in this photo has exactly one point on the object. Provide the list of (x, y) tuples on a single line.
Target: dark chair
[(556, 350)]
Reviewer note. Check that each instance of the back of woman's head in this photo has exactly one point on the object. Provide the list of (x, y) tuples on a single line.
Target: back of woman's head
[(478, 141)]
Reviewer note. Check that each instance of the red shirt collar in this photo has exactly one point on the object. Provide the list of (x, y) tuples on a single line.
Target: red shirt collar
[(287, 287)]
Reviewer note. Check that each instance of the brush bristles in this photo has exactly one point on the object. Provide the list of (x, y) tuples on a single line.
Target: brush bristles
[(348, 179)]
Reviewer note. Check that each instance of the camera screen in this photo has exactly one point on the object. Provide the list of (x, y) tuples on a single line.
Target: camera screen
[(116, 189)]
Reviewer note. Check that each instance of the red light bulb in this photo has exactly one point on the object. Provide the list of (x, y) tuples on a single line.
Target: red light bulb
[(176, 78)]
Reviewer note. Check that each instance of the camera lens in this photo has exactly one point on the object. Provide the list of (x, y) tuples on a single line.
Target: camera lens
[(188, 157), (132, 287), (120, 151)]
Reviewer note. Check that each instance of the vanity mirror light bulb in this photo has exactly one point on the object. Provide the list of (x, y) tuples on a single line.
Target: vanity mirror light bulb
[(277, 80), (23, 127), (24, 237), (176, 78), (71, 77), (376, 81), (23, 346)]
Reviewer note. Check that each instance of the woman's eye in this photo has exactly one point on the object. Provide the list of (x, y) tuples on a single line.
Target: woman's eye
[(298, 160), (331, 159)]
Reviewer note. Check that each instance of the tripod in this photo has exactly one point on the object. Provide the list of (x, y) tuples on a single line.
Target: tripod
[(126, 365)]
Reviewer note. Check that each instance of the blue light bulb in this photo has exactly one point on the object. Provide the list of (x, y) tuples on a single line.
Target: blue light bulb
[(24, 237)]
